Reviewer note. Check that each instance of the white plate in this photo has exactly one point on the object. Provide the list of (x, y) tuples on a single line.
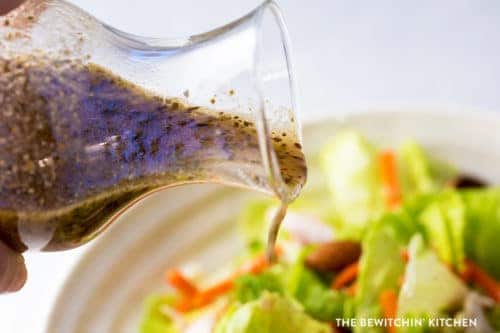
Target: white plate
[(105, 291)]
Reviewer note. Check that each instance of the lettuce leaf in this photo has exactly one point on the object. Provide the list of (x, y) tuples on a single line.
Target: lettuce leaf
[(318, 300), (153, 320), (250, 287), (381, 264), (349, 162), (270, 313), (462, 224), (430, 288), (415, 169), (483, 229), (444, 221), (419, 173)]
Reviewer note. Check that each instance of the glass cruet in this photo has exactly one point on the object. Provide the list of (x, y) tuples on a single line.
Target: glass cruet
[(93, 119)]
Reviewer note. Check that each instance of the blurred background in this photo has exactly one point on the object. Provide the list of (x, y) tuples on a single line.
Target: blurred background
[(350, 56), (356, 54)]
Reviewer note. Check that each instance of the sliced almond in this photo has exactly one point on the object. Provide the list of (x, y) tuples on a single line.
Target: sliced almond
[(333, 256)]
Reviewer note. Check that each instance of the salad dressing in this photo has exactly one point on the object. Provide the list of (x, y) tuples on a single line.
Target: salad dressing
[(79, 144), (272, 236)]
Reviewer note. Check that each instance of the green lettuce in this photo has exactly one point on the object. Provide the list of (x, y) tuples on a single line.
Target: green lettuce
[(250, 287), (444, 221), (349, 162), (318, 300), (419, 173), (430, 288), (298, 282), (271, 313), (415, 169), (381, 264), (153, 320), (482, 209), (462, 224)]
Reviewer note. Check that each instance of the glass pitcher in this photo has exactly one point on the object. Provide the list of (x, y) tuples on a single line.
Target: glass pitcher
[(93, 119)]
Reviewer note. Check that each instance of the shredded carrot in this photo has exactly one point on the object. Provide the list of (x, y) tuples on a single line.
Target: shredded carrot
[(255, 266), (184, 304), (207, 296), (352, 289), (466, 273), (258, 264), (178, 281), (346, 276), (474, 273), (204, 297), (405, 256), (390, 181), (191, 301), (389, 302)]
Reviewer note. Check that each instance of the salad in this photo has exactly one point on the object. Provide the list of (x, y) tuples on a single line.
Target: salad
[(381, 240)]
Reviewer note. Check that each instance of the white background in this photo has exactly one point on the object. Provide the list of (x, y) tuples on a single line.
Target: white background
[(350, 55)]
